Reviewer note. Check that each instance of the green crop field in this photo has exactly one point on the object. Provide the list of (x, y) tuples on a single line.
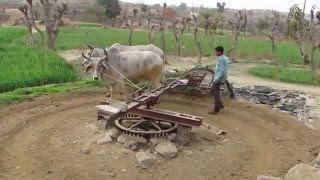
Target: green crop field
[(26, 66), (249, 48), (285, 74)]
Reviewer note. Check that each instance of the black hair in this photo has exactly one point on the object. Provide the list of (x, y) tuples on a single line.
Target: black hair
[(220, 49)]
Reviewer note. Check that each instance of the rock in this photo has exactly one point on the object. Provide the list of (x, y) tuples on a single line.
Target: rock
[(172, 137), (85, 151), (132, 145), (123, 138), (105, 140), (167, 149), (268, 178), (156, 141), (262, 89), (146, 159), (187, 152), (317, 160), (303, 172), (112, 174), (114, 133)]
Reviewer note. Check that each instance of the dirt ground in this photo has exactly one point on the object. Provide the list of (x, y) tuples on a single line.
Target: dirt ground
[(44, 138)]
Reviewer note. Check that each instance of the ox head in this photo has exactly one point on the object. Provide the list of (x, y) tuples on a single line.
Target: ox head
[(98, 65)]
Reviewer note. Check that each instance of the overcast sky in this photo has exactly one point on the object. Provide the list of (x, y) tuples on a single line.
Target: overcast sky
[(280, 5)]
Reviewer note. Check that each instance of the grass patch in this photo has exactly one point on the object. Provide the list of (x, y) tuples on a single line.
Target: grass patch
[(249, 48), (22, 94), (285, 74), (26, 66)]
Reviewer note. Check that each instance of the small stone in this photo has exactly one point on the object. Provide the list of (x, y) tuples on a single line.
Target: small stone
[(114, 133), (85, 151), (167, 149), (122, 139), (130, 145), (18, 168), (105, 140), (156, 141), (112, 174), (146, 159), (172, 137), (187, 152), (316, 161), (268, 178)]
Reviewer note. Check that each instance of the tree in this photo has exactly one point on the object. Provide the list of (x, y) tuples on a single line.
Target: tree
[(29, 23), (207, 23), (144, 8), (135, 12), (178, 34), (113, 8), (163, 39), (307, 36), (197, 42), (262, 24), (221, 7), (237, 26), (52, 26), (182, 6), (275, 20), (170, 13)]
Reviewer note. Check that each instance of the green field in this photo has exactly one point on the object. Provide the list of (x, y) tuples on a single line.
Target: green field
[(249, 48), (285, 74), (26, 66)]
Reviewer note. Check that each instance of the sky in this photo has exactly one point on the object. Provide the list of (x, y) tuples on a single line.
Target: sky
[(279, 5)]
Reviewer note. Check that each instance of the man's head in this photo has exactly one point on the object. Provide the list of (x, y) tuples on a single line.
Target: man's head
[(219, 50)]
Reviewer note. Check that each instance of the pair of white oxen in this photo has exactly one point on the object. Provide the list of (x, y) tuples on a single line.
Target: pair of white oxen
[(126, 65)]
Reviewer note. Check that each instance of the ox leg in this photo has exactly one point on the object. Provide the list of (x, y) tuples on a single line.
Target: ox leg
[(111, 88), (124, 91)]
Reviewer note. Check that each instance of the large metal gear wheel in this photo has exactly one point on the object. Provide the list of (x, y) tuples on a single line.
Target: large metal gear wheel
[(144, 127)]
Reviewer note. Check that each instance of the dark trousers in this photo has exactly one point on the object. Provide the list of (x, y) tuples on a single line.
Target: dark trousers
[(215, 91)]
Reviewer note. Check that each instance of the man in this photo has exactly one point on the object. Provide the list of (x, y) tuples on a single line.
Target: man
[(220, 78)]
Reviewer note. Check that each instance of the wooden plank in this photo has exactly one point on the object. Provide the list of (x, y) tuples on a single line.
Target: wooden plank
[(122, 106)]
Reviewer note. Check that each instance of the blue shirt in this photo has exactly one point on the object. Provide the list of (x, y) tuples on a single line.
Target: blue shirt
[(221, 72)]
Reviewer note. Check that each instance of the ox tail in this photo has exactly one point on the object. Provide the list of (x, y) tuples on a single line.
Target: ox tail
[(86, 41)]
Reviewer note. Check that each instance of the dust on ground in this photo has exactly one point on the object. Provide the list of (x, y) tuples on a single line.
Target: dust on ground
[(44, 139)]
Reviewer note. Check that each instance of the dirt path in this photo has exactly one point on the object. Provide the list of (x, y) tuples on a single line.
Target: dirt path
[(44, 138)]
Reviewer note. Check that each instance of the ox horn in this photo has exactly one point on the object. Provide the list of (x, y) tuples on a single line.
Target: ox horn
[(86, 57), (87, 43)]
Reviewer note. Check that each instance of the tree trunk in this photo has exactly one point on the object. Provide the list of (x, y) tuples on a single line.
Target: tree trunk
[(198, 45), (313, 65), (35, 26), (131, 33), (273, 46)]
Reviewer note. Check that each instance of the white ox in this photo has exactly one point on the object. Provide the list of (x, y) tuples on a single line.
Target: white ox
[(136, 66)]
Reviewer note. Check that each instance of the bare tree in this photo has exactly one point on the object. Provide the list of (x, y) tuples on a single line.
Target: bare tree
[(24, 9), (52, 26), (275, 20), (307, 36), (299, 33), (213, 29), (163, 39), (135, 11), (197, 42), (237, 27), (178, 34), (152, 29), (31, 22), (207, 23)]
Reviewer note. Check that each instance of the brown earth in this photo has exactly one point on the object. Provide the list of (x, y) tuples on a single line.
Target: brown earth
[(44, 138)]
